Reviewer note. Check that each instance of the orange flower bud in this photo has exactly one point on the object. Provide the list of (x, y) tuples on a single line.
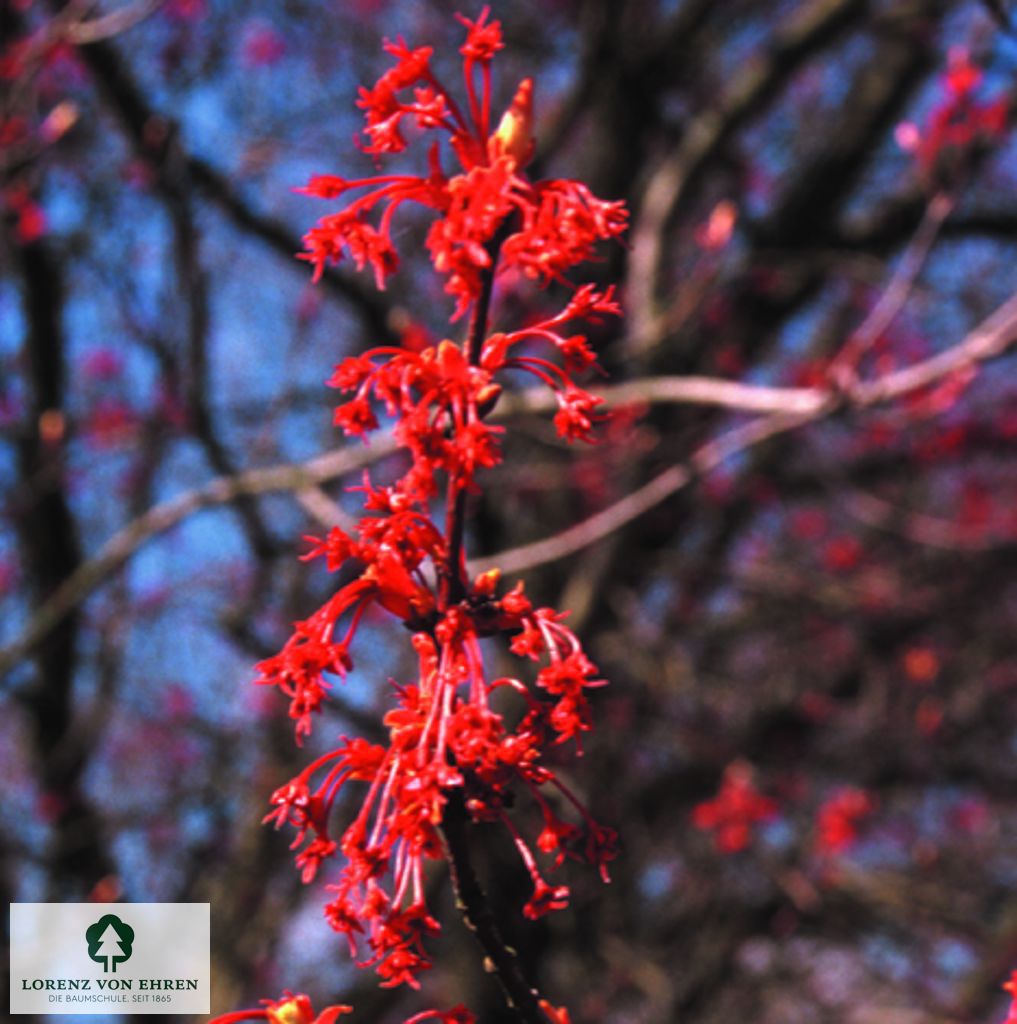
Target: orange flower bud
[(296, 1010), (486, 583), (487, 399), (514, 136)]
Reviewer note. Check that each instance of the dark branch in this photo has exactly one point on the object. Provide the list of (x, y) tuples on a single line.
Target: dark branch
[(472, 902), (149, 133)]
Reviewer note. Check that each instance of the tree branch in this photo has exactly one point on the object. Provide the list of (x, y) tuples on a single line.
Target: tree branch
[(787, 409), (52, 551), (163, 517), (147, 131), (472, 902), (896, 293), (803, 31), (661, 487), (993, 337)]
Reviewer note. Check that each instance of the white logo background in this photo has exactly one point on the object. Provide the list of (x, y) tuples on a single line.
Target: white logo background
[(171, 941)]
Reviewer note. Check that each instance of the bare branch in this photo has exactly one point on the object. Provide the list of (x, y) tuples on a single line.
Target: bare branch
[(990, 339), (785, 408), (105, 26), (661, 487), (713, 391), (319, 506), (804, 30), (472, 902), (892, 301), (158, 520), (916, 527)]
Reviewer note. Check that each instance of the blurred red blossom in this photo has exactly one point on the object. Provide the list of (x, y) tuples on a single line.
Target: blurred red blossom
[(735, 811), (1010, 987), (261, 45), (838, 819)]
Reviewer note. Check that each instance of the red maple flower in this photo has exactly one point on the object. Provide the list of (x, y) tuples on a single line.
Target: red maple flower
[(958, 122), (445, 738), (543, 228), (735, 810), (290, 1009), (1011, 987), (457, 1015), (838, 820), (555, 1014)]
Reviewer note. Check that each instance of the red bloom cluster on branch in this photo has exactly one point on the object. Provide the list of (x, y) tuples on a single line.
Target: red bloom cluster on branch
[(545, 227), (958, 122), (838, 820), (454, 734), (736, 809), (290, 1009), (297, 1009)]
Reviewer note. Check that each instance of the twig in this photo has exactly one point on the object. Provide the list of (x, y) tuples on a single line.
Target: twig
[(502, 960), (318, 505), (105, 26), (806, 28), (661, 487), (713, 391), (991, 338), (914, 526), (789, 408), (158, 520), (452, 582), (892, 301), (471, 900)]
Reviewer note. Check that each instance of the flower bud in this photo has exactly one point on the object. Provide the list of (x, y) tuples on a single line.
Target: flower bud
[(487, 399), (486, 583), (514, 136)]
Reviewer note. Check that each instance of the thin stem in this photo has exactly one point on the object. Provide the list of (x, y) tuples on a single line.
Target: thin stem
[(453, 587), (472, 902), (844, 367)]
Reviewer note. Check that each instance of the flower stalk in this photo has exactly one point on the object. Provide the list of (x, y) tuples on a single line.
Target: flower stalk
[(462, 747)]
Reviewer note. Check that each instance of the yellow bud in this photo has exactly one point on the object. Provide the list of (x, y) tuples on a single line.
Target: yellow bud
[(487, 582), (290, 1012), (514, 136)]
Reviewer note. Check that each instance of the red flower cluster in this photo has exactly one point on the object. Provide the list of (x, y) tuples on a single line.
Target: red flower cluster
[(453, 733), (444, 736), (1011, 987), (735, 810), (838, 820), (958, 122), (441, 397), (457, 1015), (545, 227), (30, 218), (290, 1009), (293, 1009)]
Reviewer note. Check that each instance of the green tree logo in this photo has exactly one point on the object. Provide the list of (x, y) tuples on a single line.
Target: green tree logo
[(109, 942)]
